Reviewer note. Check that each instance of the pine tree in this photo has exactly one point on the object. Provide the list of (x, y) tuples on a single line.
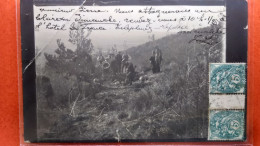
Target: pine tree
[(68, 62)]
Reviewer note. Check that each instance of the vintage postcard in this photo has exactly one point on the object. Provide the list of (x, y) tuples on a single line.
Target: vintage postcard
[(111, 71)]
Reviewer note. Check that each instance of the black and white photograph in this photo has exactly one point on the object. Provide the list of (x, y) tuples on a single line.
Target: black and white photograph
[(125, 73)]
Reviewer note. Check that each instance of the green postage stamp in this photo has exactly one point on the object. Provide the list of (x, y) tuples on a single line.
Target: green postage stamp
[(226, 125), (227, 78), (227, 88)]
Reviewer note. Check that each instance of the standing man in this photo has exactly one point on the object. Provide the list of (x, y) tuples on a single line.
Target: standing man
[(124, 61), (158, 59), (130, 73), (153, 62), (118, 59)]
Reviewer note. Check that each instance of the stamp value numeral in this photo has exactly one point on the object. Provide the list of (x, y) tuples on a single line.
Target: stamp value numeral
[(227, 78)]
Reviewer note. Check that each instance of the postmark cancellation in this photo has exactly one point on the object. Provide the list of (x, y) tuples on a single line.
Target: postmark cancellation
[(227, 78), (226, 125)]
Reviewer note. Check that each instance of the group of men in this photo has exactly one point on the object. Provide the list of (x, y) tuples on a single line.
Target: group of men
[(119, 64)]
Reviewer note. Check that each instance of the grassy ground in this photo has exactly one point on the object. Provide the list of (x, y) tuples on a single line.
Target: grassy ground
[(141, 111)]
